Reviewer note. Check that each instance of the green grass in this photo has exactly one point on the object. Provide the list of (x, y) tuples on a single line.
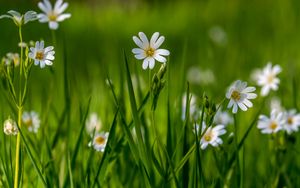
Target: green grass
[(95, 44)]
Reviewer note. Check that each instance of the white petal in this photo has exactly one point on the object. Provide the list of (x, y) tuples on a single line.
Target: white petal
[(43, 18), (265, 90), (249, 89), (31, 55), (251, 95), (36, 62), (160, 58), (144, 39), (48, 49), (145, 64), (57, 5), (140, 56), (242, 106), (235, 108), (151, 63), (49, 57), (162, 52), (230, 104), (204, 145), (62, 17), (248, 103), (47, 62), (138, 42), (42, 64), (154, 38), (159, 41), (138, 51), (41, 47), (62, 8), (53, 25)]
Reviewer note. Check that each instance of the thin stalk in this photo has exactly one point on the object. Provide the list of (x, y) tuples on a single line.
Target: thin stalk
[(237, 150), (20, 110)]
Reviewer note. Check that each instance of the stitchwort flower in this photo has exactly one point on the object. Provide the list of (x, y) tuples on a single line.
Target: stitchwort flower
[(239, 95), (272, 124), (149, 50), (292, 121), (99, 141), (10, 127), (267, 79), (53, 15), (211, 136), (31, 120), (42, 56), (93, 124)]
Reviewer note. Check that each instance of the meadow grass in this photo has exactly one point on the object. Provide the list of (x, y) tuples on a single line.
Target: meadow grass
[(149, 143)]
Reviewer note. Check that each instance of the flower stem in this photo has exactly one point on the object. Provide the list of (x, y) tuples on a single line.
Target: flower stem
[(16, 181), (20, 110)]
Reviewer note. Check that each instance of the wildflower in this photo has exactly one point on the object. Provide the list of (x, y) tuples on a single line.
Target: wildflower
[(223, 117), (193, 107), (149, 50), (19, 19), (31, 120), (211, 136), (93, 124), (12, 58), (99, 141), (218, 35), (272, 124), (53, 15), (267, 79), (42, 55), (239, 95), (10, 127), (292, 121), (200, 76)]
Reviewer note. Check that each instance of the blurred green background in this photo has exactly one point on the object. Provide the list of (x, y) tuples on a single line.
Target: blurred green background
[(94, 38)]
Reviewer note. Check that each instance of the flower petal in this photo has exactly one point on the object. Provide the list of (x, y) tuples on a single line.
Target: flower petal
[(145, 64), (159, 41), (138, 42), (154, 38), (62, 17), (151, 63), (163, 52), (144, 39), (53, 25)]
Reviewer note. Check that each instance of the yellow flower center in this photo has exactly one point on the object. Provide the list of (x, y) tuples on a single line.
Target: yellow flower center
[(149, 52), (273, 125), (208, 136), (100, 140), (28, 123), (235, 95), (52, 16), (290, 120), (39, 56), (270, 79)]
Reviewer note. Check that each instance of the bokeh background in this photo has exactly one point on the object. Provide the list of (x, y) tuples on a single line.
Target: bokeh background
[(221, 40)]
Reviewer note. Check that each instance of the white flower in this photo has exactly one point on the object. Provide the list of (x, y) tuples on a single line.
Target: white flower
[(223, 118), (12, 58), (239, 95), (149, 50), (218, 35), (53, 15), (20, 19), (199, 76), (275, 104), (41, 55), (31, 120), (193, 107), (267, 79), (99, 141), (272, 124), (10, 127), (292, 121), (93, 124), (211, 136)]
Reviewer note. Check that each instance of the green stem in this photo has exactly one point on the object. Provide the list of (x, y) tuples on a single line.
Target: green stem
[(20, 110), (237, 150), (16, 181)]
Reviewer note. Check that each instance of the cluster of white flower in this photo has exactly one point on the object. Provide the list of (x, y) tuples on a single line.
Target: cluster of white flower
[(288, 121), (10, 127), (31, 120), (93, 125)]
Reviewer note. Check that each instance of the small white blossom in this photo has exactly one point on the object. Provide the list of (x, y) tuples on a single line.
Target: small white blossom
[(12, 58), (149, 50), (199, 76), (53, 15), (32, 121), (239, 95), (99, 141), (218, 35), (273, 124), (20, 19), (267, 79), (275, 104), (42, 56), (292, 121), (10, 127), (223, 118), (93, 124), (211, 136)]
